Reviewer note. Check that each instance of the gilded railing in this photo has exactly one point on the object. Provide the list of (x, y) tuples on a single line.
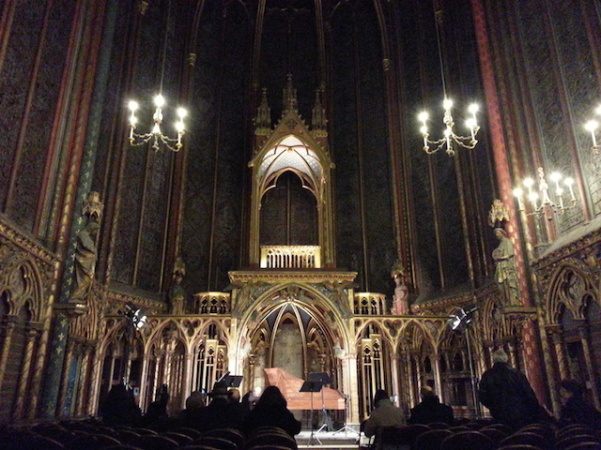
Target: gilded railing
[(290, 257), (370, 304)]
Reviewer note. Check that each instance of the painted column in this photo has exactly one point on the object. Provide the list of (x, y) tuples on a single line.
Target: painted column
[(25, 373), (437, 375), (84, 380), (62, 399), (351, 389), (513, 360), (187, 381), (9, 326), (144, 381), (92, 36), (590, 370), (502, 166), (562, 362), (410, 376), (95, 380), (394, 373)]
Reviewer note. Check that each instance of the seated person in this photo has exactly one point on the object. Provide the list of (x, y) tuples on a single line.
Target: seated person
[(272, 410), (575, 409), (430, 409), (385, 414)]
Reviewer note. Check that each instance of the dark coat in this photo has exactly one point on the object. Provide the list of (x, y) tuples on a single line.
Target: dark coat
[(272, 416), (430, 410), (577, 410), (509, 396)]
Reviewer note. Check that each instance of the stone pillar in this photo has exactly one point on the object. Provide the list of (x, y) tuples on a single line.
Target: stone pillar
[(590, 370), (9, 326), (23, 389), (395, 381), (437, 376), (513, 358), (562, 363), (84, 385), (410, 378), (62, 398), (144, 381), (187, 378), (351, 389), (95, 379)]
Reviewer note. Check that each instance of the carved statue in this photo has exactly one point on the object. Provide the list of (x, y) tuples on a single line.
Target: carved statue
[(400, 302), (85, 261), (506, 273), (86, 253), (177, 294)]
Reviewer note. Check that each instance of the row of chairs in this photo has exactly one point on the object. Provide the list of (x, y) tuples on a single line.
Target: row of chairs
[(542, 436), (56, 437)]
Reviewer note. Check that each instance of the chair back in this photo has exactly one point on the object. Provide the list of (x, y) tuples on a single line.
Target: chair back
[(218, 443), (474, 440), (154, 442), (274, 439), (431, 440)]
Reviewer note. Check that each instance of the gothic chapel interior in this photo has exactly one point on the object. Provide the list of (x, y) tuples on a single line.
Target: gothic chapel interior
[(300, 217)]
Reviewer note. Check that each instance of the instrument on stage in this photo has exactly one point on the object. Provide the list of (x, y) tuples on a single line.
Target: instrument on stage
[(290, 387)]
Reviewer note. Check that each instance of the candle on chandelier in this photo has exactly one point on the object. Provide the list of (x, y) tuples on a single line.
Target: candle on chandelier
[(592, 126)]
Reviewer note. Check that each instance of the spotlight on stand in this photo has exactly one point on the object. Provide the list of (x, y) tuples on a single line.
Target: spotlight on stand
[(464, 318), (135, 315)]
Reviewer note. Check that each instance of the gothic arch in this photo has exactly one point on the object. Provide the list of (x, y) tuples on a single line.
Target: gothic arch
[(319, 306), (571, 286)]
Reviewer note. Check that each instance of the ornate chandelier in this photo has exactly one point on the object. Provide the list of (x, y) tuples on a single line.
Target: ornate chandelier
[(156, 136), (542, 197), (450, 138)]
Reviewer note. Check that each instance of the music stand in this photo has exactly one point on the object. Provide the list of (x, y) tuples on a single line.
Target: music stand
[(323, 378), (311, 386), (346, 428), (232, 381)]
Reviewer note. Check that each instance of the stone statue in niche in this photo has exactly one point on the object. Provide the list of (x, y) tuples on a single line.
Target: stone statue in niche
[(400, 301), (177, 294), (86, 253), (506, 273)]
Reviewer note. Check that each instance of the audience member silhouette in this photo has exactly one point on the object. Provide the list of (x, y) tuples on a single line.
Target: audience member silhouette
[(385, 414), (272, 410), (191, 416), (217, 414), (575, 409), (238, 412), (156, 415), (119, 407), (508, 394), (430, 409)]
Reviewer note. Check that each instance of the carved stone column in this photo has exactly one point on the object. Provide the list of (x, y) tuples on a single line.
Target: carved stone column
[(144, 381), (513, 357), (410, 376), (62, 399), (84, 383), (95, 379), (437, 376), (32, 335), (590, 370), (8, 326), (351, 389), (187, 378), (394, 374), (489, 349), (556, 334)]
